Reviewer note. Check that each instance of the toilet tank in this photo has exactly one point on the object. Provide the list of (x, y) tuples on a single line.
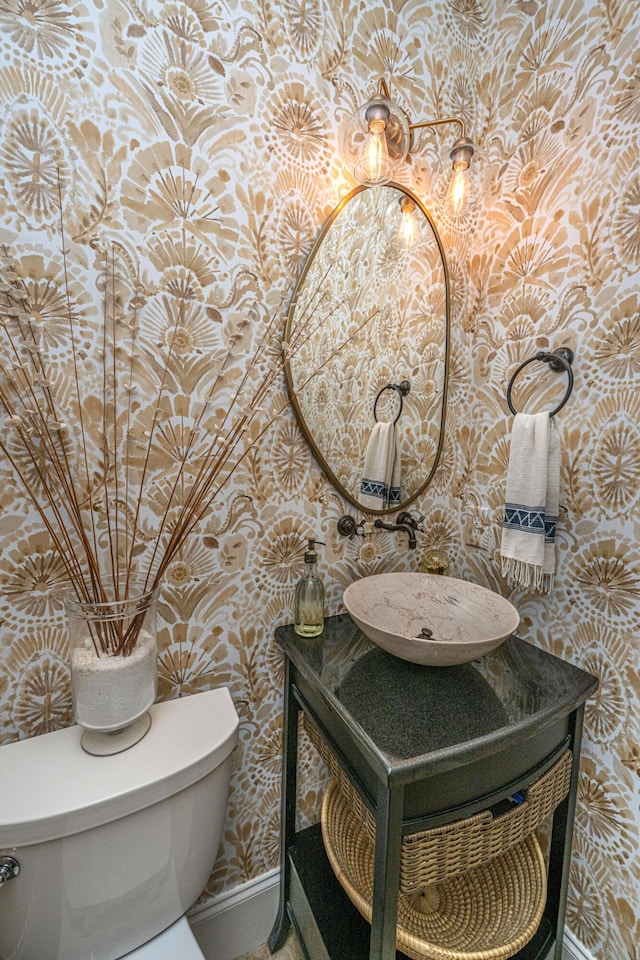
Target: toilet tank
[(112, 849)]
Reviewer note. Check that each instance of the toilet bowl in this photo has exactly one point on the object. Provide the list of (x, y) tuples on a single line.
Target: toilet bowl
[(175, 943), (113, 850)]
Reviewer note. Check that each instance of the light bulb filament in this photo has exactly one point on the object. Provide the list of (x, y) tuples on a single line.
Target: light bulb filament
[(408, 225), (376, 155), (459, 187)]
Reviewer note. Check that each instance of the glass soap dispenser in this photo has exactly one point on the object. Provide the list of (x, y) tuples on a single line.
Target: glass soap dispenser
[(308, 604)]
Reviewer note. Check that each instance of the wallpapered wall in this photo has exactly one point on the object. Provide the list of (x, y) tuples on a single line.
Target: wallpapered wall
[(205, 135)]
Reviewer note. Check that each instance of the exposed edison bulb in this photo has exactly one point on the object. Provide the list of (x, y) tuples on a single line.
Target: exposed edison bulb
[(458, 198), (459, 189), (375, 166), (408, 232), (376, 139)]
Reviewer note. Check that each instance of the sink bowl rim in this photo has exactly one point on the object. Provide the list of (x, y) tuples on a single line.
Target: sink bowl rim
[(439, 651)]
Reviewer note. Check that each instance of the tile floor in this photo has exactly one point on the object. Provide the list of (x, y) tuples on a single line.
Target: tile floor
[(290, 951)]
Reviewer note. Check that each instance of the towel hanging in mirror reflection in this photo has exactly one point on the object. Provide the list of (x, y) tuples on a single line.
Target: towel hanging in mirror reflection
[(380, 486)]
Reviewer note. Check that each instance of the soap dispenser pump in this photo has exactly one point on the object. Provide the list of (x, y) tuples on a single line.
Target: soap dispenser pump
[(309, 596)]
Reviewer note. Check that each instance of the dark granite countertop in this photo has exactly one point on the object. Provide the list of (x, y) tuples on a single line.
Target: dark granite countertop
[(406, 716)]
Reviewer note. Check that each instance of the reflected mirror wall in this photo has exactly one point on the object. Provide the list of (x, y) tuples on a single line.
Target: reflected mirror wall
[(371, 308)]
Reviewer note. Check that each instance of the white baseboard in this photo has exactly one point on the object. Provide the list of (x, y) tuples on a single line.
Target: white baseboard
[(241, 919), (238, 920), (572, 949)]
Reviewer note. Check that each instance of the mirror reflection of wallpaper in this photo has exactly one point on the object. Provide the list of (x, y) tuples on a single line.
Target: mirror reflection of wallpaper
[(369, 312), (207, 135)]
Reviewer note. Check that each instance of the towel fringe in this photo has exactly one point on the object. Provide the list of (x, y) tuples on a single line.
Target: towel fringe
[(519, 573)]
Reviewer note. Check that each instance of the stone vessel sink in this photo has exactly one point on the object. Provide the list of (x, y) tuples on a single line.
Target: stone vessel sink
[(430, 619)]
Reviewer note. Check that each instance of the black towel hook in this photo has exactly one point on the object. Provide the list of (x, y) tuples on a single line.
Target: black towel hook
[(402, 389), (558, 360)]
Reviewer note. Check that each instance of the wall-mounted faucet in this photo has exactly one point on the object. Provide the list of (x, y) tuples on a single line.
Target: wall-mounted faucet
[(407, 527), (348, 526)]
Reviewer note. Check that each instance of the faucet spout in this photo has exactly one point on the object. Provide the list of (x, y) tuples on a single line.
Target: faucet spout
[(410, 531)]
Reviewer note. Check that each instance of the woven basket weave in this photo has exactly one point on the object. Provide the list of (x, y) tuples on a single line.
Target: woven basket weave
[(470, 890), (488, 913), (434, 855)]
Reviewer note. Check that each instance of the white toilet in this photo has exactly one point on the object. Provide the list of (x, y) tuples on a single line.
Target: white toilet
[(113, 850)]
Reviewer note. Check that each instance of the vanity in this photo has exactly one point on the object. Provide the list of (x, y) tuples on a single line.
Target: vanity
[(422, 747)]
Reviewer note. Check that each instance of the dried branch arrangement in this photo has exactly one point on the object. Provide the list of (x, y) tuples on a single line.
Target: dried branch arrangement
[(91, 473)]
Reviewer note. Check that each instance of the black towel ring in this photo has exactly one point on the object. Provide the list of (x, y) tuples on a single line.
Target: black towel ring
[(558, 360), (402, 389)]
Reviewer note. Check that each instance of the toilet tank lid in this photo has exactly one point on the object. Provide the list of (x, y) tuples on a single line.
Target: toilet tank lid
[(52, 788)]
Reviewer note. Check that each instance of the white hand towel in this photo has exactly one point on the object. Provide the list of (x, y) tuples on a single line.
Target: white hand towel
[(396, 473), (532, 502), (381, 476)]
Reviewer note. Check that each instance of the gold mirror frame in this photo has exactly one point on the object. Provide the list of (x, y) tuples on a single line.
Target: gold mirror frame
[(289, 336)]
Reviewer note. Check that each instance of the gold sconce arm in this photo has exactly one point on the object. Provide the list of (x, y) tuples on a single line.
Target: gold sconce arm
[(438, 123), (383, 91)]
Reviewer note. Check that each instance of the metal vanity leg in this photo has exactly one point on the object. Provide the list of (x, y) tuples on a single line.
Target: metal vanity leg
[(288, 807), (560, 851), (386, 873)]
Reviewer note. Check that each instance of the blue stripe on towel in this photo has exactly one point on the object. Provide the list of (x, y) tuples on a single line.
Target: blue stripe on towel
[(527, 519), (374, 488)]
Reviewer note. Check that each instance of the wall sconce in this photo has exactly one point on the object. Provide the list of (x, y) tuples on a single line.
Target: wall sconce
[(378, 138)]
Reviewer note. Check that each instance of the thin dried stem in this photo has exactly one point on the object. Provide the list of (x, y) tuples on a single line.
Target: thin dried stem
[(130, 388), (139, 501), (91, 555)]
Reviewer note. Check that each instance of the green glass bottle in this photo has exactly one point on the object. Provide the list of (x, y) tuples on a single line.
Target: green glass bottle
[(309, 597)]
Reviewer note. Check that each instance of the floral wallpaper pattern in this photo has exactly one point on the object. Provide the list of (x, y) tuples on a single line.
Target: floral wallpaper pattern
[(203, 137)]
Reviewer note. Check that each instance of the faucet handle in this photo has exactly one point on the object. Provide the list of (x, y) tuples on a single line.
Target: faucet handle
[(409, 520), (349, 527)]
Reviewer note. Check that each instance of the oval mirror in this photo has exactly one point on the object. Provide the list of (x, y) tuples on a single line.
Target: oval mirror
[(368, 337)]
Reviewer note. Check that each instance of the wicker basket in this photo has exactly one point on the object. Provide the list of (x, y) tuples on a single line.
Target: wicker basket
[(470, 890), (488, 913)]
